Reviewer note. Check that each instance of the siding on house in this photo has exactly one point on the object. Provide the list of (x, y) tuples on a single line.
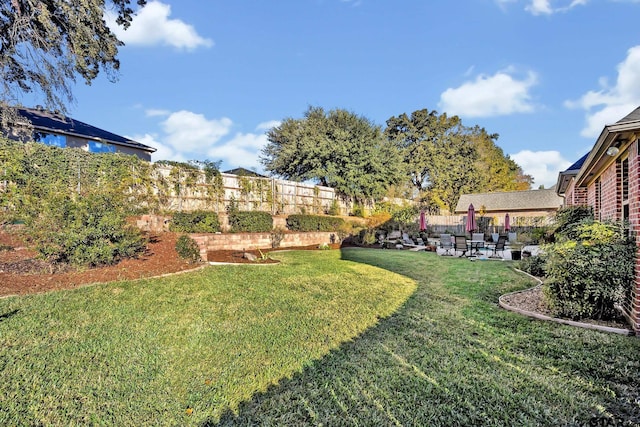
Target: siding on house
[(61, 131)]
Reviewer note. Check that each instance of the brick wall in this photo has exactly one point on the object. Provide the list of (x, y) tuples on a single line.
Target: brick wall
[(611, 203), (632, 307), (575, 196)]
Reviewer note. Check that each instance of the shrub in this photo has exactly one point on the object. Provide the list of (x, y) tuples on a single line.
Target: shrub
[(250, 221), (534, 265), (378, 219), (587, 277), (187, 248), (334, 208), (569, 218), (314, 223), (195, 222), (91, 231)]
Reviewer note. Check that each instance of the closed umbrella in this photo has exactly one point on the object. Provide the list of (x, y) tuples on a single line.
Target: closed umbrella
[(507, 222), (423, 221), (471, 219)]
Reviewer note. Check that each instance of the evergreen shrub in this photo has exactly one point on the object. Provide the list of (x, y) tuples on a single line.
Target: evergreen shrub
[(314, 223), (195, 222), (89, 231), (187, 248), (250, 221), (588, 275)]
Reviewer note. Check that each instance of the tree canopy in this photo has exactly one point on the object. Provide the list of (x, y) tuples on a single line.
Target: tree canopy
[(45, 44), (337, 149), (446, 159)]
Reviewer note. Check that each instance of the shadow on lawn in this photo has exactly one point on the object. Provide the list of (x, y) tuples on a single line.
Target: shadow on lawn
[(8, 315), (429, 364)]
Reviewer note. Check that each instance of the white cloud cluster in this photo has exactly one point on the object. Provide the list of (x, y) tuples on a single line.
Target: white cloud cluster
[(611, 103), (544, 166), (152, 26), (546, 7), (191, 136), (486, 96)]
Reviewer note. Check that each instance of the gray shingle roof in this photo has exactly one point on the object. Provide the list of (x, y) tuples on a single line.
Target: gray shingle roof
[(633, 116), (511, 201)]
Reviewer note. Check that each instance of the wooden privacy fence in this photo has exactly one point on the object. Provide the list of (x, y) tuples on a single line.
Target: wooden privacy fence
[(179, 192)]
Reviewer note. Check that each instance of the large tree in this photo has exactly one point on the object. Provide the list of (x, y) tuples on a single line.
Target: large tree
[(337, 149), (446, 159), (45, 44)]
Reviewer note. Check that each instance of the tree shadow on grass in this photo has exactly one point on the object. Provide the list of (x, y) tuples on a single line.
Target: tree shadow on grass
[(428, 364)]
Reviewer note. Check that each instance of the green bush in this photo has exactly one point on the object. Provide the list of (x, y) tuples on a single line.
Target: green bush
[(587, 277), (534, 265), (569, 218), (90, 231), (334, 208), (187, 248), (250, 221), (195, 222), (314, 223)]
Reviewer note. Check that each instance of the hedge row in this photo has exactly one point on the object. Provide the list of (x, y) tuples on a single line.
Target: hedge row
[(195, 222), (250, 221), (314, 223)]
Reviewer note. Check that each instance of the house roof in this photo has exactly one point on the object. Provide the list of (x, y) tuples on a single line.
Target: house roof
[(244, 172), (565, 176), (48, 121), (619, 135), (511, 201)]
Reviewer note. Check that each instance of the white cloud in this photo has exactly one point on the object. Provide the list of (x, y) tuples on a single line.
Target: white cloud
[(243, 150), (265, 126), (500, 94), (156, 112), (191, 132), (545, 7), (544, 166), (151, 26), (611, 103), (191, 136)]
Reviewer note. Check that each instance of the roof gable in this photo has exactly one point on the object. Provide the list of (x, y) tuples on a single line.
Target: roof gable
[(511, 201)]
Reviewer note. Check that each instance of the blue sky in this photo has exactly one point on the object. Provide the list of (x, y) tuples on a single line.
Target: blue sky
[(205, 79)]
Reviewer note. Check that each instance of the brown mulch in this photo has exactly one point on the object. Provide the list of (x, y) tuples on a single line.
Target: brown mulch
[(22, 273), (532, 300)]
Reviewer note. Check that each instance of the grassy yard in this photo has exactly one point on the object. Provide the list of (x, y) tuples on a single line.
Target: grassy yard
[(358, 337)]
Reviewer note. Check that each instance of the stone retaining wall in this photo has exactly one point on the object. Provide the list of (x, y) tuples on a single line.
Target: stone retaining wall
[(249, 241)]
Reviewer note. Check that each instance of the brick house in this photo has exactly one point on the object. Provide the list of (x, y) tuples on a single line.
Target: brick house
[(608, 179)]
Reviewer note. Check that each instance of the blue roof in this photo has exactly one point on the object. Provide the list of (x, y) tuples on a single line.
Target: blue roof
[(46, 120), (577, 165)]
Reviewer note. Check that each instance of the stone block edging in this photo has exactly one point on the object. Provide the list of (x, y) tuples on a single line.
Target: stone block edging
[(539, 316)]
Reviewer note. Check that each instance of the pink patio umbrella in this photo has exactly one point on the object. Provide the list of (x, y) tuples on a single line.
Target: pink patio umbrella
[(423, 221), (507, 222), (471, 219)]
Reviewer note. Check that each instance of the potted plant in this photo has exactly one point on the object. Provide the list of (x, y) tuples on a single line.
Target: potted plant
[(516, 251)]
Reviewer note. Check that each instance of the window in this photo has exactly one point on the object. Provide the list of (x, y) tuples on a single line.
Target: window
[(624, 172), (99, 147), (51, 139)]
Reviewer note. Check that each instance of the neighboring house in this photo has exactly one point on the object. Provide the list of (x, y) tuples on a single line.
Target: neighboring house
[(608, 180), (520, 205), (245, 172), (61, 131)]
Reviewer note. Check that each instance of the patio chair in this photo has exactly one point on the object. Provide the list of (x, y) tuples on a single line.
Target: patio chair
[(498, 246), (461, 245), (446, 244), (477, 242)]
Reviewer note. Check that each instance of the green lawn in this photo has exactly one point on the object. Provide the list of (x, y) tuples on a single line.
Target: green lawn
[(358, 337)]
